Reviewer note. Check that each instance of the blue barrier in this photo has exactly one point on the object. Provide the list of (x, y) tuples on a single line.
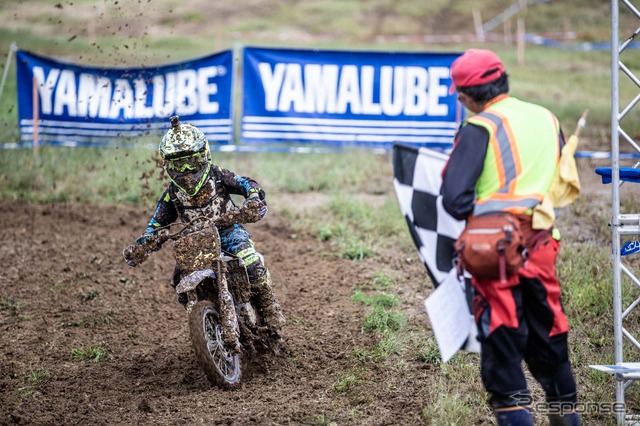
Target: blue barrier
[(310, 148), (584, 47)]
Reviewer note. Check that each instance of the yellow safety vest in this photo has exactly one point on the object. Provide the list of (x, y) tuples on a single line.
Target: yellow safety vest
[(522, 156)]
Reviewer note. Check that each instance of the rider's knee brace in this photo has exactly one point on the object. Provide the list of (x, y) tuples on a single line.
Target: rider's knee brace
[(252, 260)]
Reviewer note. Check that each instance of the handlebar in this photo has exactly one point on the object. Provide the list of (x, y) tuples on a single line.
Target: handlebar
[(248, 213)]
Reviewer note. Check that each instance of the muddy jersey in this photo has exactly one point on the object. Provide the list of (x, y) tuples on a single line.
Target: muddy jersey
[(213, 199)]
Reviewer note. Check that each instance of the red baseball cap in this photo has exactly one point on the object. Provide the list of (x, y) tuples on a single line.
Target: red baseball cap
[(475, 67)]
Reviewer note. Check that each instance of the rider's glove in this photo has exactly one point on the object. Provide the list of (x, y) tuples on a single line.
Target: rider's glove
[(263, 210), (255, 198), (128, 255)]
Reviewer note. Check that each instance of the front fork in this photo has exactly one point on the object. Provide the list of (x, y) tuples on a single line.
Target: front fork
[(228, 317), (226, 306)]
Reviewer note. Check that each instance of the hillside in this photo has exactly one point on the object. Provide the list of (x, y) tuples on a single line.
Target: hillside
[(134, 31), (150, 32)]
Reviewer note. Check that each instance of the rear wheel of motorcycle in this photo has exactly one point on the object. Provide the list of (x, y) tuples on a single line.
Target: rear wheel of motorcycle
[(221, 365)]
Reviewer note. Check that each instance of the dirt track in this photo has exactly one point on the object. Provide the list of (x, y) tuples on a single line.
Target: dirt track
[(64, 286)]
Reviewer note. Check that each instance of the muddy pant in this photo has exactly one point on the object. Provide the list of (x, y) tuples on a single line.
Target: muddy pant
[(524, 319), (236, 240)]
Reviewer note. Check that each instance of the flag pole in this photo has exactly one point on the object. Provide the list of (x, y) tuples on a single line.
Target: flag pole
[(581, 122), (36, 111), (13, 48)]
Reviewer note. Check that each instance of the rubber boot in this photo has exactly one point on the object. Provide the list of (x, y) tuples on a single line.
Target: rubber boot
[(268, 305), (568, 419), (175, 280), (515, 416)]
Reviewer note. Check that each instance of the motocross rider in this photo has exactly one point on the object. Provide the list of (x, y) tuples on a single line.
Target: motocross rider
[(198, 187)]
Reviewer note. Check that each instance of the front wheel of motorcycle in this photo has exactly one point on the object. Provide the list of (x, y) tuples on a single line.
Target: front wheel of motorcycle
[(219, 363)]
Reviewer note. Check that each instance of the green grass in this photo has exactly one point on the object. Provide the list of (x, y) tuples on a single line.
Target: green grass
[(34, 380), (346, 382), (11, 306), (382, 281), (96, 354), (382, 320), (94, 320), (91, 175), (390, 343), (382, 300), (428, 352), (89, 295), (585, 274), (571, 81), (354, 249), (359, 229)]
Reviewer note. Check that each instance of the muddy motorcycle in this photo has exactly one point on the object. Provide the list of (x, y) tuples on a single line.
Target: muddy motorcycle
[(225, 327)]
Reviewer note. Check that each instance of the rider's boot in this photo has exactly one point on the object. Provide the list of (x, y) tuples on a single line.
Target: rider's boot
[(266, 300), (175, 280), (183, 299)]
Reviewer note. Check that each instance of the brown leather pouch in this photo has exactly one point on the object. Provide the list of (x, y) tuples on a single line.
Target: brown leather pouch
[(491, 246)]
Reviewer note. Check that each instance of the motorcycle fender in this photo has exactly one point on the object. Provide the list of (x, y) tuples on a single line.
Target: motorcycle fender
[(191, 281)]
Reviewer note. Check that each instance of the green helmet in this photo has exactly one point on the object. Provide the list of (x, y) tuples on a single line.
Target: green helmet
[(185, 151)]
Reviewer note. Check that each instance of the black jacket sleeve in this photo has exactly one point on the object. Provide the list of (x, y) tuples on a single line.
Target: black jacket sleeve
[(165, 213), (240, 185), (463, 170)]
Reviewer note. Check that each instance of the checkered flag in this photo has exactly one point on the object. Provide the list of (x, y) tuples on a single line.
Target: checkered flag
[(417, 181)]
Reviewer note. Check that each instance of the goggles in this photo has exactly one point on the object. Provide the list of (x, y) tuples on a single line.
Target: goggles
[(191, 162)]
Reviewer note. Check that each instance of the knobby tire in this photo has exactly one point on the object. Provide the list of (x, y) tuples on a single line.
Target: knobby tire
[(220, 365)]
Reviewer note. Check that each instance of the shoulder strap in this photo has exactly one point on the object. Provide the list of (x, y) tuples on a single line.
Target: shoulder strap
[(174, 198)]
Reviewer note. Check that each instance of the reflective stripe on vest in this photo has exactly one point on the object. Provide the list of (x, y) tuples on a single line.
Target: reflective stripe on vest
[(497, 188)]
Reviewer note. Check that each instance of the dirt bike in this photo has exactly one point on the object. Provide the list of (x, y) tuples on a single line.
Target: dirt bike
[(224, 324)]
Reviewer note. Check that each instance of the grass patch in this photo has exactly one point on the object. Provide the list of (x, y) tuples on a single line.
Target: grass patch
[(429, 353), (457, 395), (358, 170), (390, 344), (381, 320), (450, 409), (359, 227), (584, 272), (322, 420), (382, 281), (94, 320), (34, 380), (96, 354), (325, 233), (346, 382), (90, 175), (11, 306), (355, 249), (89, 295), (383, 300)]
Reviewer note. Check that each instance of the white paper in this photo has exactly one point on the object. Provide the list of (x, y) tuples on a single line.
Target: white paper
[(451, 320)]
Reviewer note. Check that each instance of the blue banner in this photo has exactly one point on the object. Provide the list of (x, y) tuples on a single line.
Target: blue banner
[(91, 105), (348, 98)]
